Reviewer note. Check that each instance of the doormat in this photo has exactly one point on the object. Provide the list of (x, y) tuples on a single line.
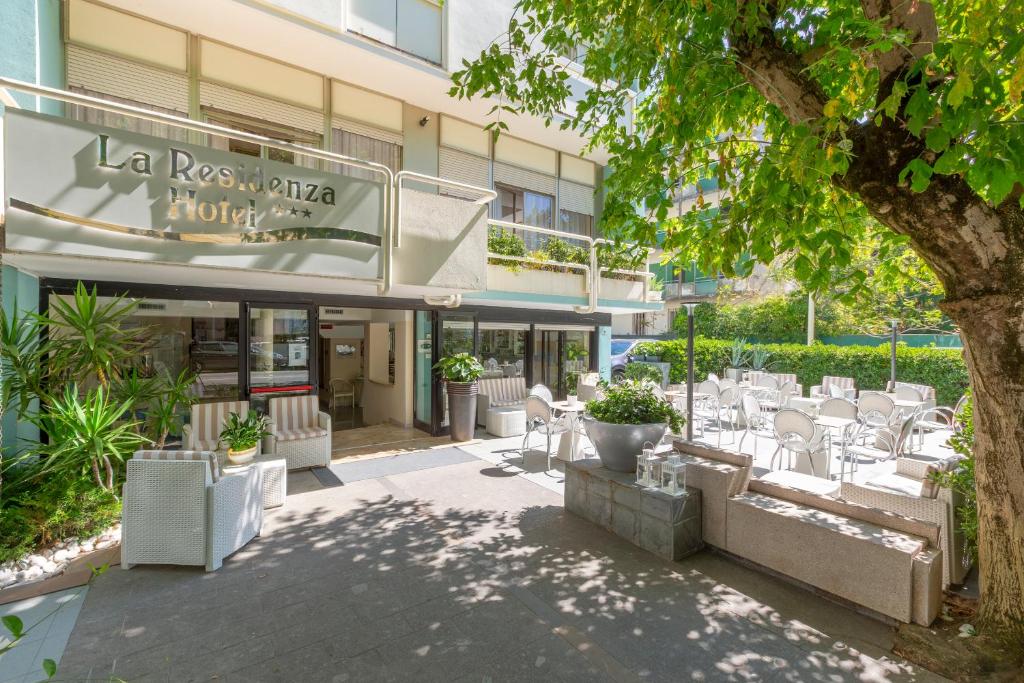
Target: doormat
[(344, 473)]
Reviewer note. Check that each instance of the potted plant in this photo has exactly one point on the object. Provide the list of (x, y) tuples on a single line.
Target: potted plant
[(760, 358), (629, 415), (460, 373), (739, 358), (243, 436), (643, 371)]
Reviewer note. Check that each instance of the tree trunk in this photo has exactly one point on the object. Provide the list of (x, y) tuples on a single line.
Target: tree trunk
[(993, 332)]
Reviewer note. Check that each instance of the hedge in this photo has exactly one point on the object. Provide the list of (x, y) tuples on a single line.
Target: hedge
[(943, 369)]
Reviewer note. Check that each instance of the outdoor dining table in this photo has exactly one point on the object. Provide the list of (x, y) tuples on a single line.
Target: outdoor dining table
[(569, 449)]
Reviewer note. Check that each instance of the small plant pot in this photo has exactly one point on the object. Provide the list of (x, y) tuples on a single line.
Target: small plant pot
[(241, 457), (735, 374)]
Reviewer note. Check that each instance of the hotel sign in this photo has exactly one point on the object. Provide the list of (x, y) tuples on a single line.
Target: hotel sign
[(87, 190)]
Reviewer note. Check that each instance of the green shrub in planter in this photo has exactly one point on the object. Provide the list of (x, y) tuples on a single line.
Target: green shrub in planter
[(643, 371), (462, 367), (633, 403)]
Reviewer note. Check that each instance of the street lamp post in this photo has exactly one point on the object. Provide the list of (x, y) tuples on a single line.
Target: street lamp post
[(689, 370), (892, 355)]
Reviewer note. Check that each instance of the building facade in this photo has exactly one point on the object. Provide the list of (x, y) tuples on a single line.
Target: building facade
[(289, 192)]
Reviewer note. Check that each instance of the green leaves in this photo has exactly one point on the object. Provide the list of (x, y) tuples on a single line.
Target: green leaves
[(920, 175), (241, 434), (14, 626), (49, 668), (634, 402), (461, 367), (963, 87)]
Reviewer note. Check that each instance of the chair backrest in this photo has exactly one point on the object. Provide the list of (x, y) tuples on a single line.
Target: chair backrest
[(874, 402), (926, 391), (208, 418), (538, 408), (906, 393), (727, 383), (294, 412), (841, 382), (712, 377), (707, 387), (836, 391), (790, 421), (838, 407), (342, 387), (767, 381), (786, 389), (503, 388), (753, 375), (751, 409), (209, 457), (542, 391), (491, 364), (784, 377)]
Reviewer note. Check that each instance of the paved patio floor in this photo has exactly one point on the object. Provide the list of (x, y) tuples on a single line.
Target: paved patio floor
[(461, 573)]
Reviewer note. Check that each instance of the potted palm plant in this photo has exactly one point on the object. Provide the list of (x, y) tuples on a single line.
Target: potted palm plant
[(739, 358), (460, 373), (243, 436), (629, 415)]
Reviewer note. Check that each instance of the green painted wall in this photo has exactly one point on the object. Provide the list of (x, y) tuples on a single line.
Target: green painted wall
[(32, 49), (604, 352)]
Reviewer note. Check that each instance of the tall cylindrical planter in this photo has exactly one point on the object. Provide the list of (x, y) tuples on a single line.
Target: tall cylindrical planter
[(462, 409)]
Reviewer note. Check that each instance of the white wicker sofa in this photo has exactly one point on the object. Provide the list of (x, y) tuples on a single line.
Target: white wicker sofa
[(299, 432), (911, 493), (500, 392), (178, 509)]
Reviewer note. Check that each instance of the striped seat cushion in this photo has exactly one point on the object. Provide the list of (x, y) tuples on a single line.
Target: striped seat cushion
[(208, 421), (209, 456), (300, 433), (504, 390), (785, 377), (293, 413)]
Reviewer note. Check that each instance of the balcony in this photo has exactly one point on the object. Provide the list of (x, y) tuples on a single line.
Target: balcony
[(97, 203), (703, 288)]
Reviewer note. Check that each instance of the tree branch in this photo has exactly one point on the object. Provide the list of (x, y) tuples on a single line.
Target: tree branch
[(916, 19)]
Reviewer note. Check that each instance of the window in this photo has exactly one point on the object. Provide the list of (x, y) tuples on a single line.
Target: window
[(128, 123), (412, 26), (248, 125), (502, 349), (575, 222), (575, 53), (516, 205), (365, 148)]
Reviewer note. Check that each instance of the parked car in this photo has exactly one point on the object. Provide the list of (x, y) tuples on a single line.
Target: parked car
[(622, 350)]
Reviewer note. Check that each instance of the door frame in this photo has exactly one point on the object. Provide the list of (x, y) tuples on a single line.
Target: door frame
[(245, 335)]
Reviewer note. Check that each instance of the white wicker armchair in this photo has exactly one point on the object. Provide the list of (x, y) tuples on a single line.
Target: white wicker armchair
[(203, 432), (177, 509), (299, 432), (911, 493)]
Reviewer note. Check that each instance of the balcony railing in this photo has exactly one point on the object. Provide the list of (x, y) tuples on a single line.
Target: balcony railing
[(594, 275), (704, 287)]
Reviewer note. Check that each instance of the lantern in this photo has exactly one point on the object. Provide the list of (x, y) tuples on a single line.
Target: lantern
[(647, 475), (673, 476)]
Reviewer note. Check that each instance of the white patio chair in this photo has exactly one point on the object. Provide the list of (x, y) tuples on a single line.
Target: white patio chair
[(796, 432), (542, 391), (178, 509), (586, 386), (835, 387), (519, 368), (728, 406), (836, 391), (958, 414), (934, 420), (299, 432), (203, 432), (927, 392), (757, 421), (892, 441), (541, 418), (712, 377), (908, 393)]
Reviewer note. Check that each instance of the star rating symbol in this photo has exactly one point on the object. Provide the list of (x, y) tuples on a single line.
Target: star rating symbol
[(294, 211), (306, 213), (278, 209)]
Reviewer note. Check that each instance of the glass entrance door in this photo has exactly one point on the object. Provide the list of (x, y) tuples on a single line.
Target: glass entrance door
[(456, 333), (280, 353)]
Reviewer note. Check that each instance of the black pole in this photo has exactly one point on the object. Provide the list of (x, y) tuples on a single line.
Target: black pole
[(689, 372), (892, 357)]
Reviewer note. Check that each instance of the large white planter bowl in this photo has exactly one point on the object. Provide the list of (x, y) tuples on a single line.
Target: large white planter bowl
[(618, 445)]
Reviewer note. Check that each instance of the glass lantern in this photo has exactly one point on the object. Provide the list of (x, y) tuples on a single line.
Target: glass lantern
[(647, 466), (673, 476)]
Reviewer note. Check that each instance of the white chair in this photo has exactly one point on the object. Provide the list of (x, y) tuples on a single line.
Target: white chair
[(542, 391), (875, 409), (299, 432), (835, 387), (706, 406), (519, 368), (927, 392), (712, 377), (178, 509), (796, 432), (342, 389), (892, 442), (541, 418), (586, 386), (908, 393), (783, 377), (203, 432), (756, 419), (728, 406)]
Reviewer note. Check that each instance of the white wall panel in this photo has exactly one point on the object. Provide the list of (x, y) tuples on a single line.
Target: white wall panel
[(362, 105), (111, 75), (525, 154), (465, 136), (577, 170), (107, 29), (257, 74)]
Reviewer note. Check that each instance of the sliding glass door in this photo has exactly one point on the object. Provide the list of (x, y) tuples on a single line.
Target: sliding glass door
[(279, 352)]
